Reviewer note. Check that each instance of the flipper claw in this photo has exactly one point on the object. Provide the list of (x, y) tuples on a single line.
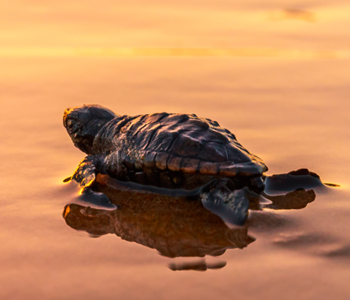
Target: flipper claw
[(85, 174), (68, 179)]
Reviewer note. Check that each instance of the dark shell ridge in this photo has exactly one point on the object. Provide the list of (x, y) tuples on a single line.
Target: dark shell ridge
[(180, 143)]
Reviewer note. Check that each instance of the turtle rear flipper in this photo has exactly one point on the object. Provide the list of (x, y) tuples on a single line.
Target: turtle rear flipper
[(231, 206), (297, 199), (280, 184)]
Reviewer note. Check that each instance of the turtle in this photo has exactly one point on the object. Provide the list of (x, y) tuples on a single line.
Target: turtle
[(172, 153)]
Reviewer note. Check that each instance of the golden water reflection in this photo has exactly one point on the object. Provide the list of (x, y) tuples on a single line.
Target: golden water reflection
[(292, 109), (174, 226)]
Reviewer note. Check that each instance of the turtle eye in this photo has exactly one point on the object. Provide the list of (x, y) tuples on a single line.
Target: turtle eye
[(70, 123)]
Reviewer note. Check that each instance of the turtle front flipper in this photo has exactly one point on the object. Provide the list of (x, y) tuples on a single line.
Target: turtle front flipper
[(85, 175), (231, 206)]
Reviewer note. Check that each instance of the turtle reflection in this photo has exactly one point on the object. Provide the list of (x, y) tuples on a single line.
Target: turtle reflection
[(174, 226)]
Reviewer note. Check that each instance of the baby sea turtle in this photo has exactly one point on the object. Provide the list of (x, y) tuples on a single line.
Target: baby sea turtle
[(178, 154)]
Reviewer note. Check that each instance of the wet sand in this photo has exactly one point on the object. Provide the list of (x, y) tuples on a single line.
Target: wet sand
[(291, 110)]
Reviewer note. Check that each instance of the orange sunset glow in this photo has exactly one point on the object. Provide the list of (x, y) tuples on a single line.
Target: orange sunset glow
[(276, 74)]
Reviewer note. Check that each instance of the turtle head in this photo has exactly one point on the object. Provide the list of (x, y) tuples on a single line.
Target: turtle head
[(83, 124)]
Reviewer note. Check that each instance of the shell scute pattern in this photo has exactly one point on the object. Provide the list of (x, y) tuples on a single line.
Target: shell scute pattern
[(206, 167), (174, 119), (174, 163), (162, 140), (198, 124), (138, 124), (213, 136), (228, 169), (237, 154), (161, 160), (149, 158), (212, 123), (144, 138), (213, 152), (134, 124), (189, 165), (155, 118), (188, 144)]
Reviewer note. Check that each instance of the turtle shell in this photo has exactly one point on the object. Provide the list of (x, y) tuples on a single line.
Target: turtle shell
[(181, 143)]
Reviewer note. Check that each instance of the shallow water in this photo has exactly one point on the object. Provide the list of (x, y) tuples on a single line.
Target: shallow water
[(288, 105)]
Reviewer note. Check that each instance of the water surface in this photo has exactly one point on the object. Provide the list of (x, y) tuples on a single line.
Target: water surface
[(278, 79)]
